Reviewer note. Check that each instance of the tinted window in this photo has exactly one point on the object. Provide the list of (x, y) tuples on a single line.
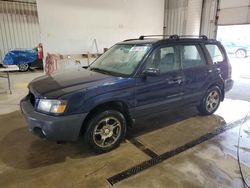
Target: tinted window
[(191, 56), (164, 59), (215, 53)]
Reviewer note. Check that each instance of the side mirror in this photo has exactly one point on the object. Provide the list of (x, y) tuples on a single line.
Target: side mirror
[(151, 72)]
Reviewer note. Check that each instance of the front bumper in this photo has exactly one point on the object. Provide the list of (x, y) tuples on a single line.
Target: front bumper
[(54, 128)]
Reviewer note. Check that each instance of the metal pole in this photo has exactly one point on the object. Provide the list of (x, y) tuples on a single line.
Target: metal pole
[(164, 18), (8, 77), (217, 18), (202, 16)]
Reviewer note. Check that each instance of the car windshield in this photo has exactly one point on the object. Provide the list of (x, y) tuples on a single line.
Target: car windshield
[(121, 59)]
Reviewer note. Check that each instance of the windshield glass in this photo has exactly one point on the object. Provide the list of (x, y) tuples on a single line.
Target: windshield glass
[(120, 59)]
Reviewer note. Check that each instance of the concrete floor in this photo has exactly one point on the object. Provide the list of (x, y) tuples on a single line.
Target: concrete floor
[(27, 161)]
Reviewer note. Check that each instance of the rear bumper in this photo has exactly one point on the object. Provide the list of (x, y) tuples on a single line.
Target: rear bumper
[(228, 84), (61, 128)]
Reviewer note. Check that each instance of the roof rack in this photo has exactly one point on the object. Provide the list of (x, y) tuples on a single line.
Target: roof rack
[(147, 36), (174, 37), (129, 40), (204, 37)]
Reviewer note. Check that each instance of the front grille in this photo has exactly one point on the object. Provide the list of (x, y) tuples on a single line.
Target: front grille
[(32, 98)]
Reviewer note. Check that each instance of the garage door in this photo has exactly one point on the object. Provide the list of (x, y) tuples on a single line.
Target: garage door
[(19, 26), (234, 12)]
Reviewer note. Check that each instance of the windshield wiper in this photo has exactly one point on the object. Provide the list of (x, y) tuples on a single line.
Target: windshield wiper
[(100, 70), (107, 72)]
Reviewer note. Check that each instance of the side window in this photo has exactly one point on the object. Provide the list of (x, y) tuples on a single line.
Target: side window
[(191, 56), (164, 58), (215, 53)]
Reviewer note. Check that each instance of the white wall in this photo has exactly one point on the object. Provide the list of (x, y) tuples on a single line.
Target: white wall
[(70, 26)]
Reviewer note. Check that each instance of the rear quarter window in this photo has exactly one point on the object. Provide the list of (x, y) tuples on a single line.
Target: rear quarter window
[(215, 53), (191, 56)]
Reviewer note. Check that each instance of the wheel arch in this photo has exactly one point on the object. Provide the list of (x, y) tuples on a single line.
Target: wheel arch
[(241, 49), (120, 106), (219, 84)]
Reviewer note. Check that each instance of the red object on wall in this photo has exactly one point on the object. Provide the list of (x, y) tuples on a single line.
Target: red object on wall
[(40, 51)]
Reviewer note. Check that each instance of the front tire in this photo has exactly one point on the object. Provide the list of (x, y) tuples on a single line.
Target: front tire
[(105, 131), (210, 101), (24, 67), (241, 53)]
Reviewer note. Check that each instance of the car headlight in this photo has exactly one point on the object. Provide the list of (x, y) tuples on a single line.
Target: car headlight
[(52, 106)]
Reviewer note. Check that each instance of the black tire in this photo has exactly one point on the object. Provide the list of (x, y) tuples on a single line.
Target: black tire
[(241, 53), (104, 119), (210, 104), (24, 67)]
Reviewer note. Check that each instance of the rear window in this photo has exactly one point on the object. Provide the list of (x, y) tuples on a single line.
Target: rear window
[(215, 53)]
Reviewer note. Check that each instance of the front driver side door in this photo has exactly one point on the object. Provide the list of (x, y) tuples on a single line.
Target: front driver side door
[(164, 91)]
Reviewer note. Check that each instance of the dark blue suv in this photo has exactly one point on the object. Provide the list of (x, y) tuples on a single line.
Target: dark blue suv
[(133, 79)]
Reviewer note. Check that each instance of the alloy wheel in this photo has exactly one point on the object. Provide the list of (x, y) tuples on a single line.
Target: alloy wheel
[(213, 100), (241, 53), (23, 67), (107, 132)]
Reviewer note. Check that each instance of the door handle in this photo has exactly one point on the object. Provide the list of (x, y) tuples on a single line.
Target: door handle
[(218, 70), (175, 79)]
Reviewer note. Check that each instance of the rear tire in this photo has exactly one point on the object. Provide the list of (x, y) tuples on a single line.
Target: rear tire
[(105, 131), (211, 101), (24, 67)]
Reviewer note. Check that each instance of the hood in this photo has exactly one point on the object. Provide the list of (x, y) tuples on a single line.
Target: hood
[(60, 83)]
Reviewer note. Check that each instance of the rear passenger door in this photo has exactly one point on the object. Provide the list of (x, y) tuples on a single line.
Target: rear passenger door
[(195, 71)]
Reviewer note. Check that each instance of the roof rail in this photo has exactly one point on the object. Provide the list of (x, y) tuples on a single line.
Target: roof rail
[(204, 37), (176, 37), (129, 40), (146, 36)]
